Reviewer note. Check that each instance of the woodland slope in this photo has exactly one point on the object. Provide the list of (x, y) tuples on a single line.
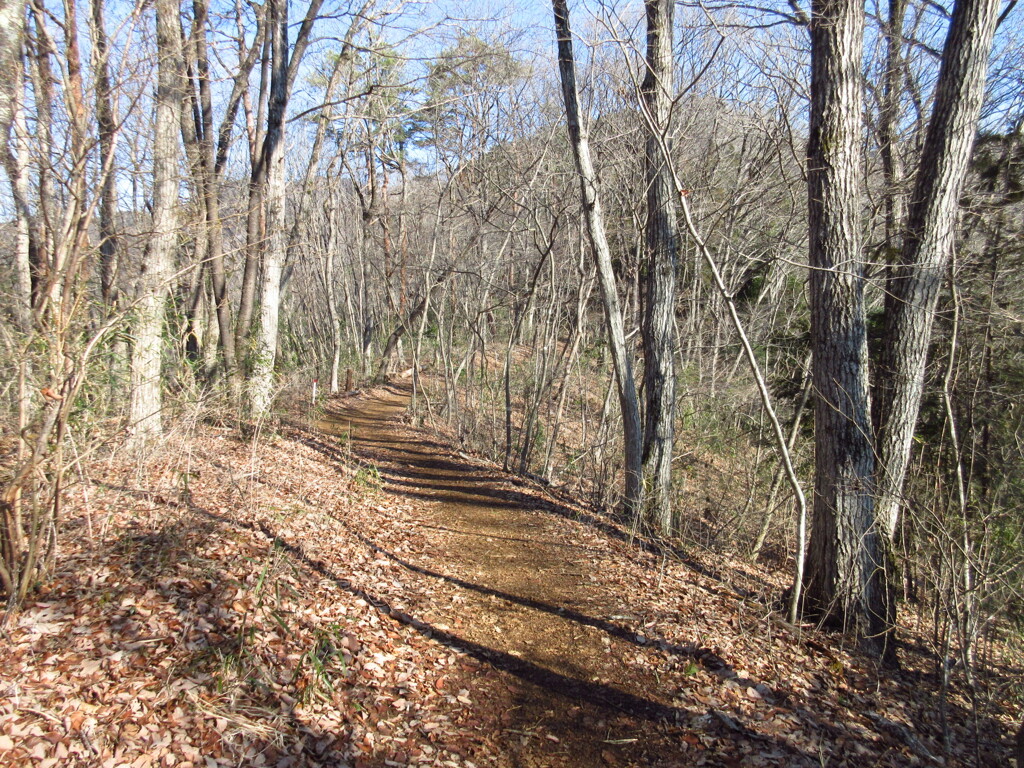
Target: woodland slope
[(358, 592)]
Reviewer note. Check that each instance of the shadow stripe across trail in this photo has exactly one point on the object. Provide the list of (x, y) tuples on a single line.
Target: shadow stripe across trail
[(506, 571)]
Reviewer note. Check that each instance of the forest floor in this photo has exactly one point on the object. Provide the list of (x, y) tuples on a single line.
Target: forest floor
[(353, 591)]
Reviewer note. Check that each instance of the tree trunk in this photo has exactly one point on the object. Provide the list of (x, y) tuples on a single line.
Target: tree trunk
[(210, 185), (17, 164), (928, 244), (12, 25), (15, 154), (146, 398), (108, 191), (660, 278), (404, 326), (592, 212), (262, 385), (254, 244), (43, 79), (13, 125), (331, 213), (888, 122), (844, 579)]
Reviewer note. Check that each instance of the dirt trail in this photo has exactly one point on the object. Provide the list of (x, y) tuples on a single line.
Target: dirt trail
[(519, 584)]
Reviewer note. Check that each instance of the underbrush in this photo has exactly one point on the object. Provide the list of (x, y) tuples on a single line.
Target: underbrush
[(228, 599), (726, 494), (731, 503), (182, 627)]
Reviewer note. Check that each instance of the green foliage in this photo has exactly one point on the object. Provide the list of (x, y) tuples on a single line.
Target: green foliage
[(378, 95), (369, 477), (324, 660), (465, 87), (470, 65), (239, 661)]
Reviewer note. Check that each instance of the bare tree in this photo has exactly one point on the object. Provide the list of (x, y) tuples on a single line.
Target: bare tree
[(261, 386), (658, 329), (208, 151), (928, 241), (12, 25), (107, 133), (263, 141), (843, 580), (594, 217), (12, 126), (146, 392)]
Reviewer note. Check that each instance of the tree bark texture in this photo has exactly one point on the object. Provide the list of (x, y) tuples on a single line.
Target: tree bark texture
[(107, 134), (332, 214), (146, 397), (928, 244), (888, 122), (12, 26), (661, 237), (262, 384), (14, 140), (844, 578), (43, 78), (211, 193), (254, 244), (594, 217)]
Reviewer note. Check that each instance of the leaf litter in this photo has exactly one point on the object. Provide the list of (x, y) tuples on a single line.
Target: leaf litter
[(360, 593)]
